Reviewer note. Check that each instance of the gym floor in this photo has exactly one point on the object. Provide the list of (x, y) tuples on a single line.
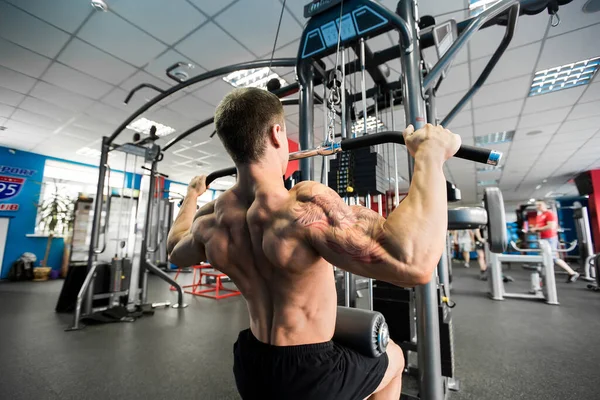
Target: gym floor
[(514, 349)]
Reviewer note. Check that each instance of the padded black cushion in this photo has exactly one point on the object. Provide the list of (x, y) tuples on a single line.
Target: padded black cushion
[(466, 218), (361, 330)]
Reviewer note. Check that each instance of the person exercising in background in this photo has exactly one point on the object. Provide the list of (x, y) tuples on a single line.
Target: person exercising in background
[(479, 247), (278, 246), (546, 223), (464, 239)]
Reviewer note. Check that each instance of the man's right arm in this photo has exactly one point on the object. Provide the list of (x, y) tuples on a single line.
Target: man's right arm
[(405, 248)]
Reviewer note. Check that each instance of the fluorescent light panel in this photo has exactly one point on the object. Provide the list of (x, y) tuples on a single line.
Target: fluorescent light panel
[(490, 182), (494, 138), (143, 125), (564, 77), (257, 77), (477, 6), (488, 168), (372, 125)]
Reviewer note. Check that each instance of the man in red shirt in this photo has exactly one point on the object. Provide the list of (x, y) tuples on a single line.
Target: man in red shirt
[(546, 223)]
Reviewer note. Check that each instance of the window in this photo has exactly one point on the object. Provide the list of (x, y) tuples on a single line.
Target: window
[(177, 192)]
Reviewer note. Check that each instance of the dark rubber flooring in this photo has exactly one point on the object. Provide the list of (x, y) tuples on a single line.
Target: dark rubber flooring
[(504, 350)]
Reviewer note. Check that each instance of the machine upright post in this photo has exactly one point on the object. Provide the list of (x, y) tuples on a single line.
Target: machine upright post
[(363, 83), (307, 118), (147, 229), (428, 330), (495, 276), (548, 265)]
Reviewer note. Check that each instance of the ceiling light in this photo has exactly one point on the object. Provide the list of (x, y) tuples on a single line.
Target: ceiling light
[(89, 152), (490, 182), (488, 168), (257, 77), (99, 5), (494, 138), (477, 6), (538, 187), (373, 124), (591, 6), (531, 200), (544, 180), (564, 77), (533, 133), (143, 125)]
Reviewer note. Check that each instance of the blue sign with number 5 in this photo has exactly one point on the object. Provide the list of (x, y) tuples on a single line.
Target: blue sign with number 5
[(10, 186)]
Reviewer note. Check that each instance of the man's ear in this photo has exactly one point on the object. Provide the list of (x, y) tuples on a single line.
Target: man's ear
[(277, 135)]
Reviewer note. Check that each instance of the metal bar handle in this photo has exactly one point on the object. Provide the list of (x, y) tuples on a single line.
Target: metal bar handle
[(106, 218), (571, 247)]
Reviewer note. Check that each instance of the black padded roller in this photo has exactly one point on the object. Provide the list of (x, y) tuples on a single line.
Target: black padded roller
[(361, 330), (467, 218)]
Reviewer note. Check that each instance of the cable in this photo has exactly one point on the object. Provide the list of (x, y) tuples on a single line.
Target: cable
[(277, 34)]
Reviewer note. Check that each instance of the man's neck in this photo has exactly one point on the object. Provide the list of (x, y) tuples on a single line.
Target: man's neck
[(259, 177)]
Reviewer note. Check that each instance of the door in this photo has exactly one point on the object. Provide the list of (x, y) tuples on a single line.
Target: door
[(3, 236)]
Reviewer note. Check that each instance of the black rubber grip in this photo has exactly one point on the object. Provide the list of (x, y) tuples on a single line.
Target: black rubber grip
[(219, 174), (471, 153)]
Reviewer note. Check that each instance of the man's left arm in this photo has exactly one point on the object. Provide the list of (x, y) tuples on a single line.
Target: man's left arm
[(182, 248)]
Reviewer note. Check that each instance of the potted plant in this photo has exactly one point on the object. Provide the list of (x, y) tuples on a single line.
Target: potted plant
[(55, 218)]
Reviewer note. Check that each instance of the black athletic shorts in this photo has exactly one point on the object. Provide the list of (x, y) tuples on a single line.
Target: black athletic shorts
[(319, 371)]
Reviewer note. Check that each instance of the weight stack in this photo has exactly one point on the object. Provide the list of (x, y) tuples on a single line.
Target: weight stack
[(364, 170), (446, 340), (394, 303)]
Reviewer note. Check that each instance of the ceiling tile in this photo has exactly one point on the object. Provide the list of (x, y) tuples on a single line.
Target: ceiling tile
[(56, 147), (592, 93), (22, 60), (579, 136), (38, 36), (10, 97), (18, 142), (290, 50), (65, 14), (545, 131), (501, 92), (568, 48), (572, 17), (94, 62), (192, 107), (444, 104), (580, 124), (93, 124), (24, 130), (171, 118), (213, 7), (585, 110), (158, 67), (264, 14), (529, 29), (36, 119), (6, 110), (457, 80), (73, 80), (60, 97), (545, 117), (15, 81), (48, 109), (118, 37), (214, 92), (516, 62), (548, 101), (462, 119), (168, 24), (208, 38), (80, 133), (498, 111), (485, 128), (112, 115)]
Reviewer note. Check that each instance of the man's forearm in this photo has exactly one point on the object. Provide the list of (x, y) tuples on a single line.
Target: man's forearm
[(183, 222), (416, 230)]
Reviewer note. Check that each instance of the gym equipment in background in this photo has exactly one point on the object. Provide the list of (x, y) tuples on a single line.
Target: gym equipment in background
[(543, 282)]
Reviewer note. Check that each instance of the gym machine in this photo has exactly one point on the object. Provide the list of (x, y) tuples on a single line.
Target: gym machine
[(126, 273), (542, 280), (337, 26)]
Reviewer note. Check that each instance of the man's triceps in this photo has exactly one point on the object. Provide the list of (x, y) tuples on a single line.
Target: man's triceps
[(351, 231)]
